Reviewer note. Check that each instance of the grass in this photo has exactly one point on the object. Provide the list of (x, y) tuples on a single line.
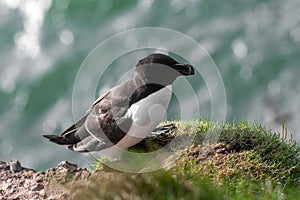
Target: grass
[(248, 162)]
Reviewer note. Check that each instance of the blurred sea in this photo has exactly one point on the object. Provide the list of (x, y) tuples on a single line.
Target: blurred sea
[(255, 44)]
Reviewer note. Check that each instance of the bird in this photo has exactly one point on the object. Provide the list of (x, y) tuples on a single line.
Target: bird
[(126, 114)]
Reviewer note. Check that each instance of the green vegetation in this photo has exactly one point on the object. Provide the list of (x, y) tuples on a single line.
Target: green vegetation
[(248, 162)]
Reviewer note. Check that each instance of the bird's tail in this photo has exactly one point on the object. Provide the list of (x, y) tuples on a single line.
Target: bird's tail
[(58, 139)]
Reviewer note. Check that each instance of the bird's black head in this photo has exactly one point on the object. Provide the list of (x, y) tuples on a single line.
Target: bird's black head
[(158, 58), (162, 69)]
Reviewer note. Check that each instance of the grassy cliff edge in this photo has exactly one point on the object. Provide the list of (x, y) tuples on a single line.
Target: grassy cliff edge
[(246, 162)]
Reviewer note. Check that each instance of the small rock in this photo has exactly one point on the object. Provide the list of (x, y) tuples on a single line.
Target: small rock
[(36, 197), (67, 165), (38, 187), (3, 165), (28, 174), (15, 166), (39, 176), (50, 172)]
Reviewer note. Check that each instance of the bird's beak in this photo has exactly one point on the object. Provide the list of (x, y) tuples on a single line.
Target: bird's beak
[(184, 69)]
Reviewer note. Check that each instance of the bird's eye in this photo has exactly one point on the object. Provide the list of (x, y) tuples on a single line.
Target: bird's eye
[(103, 110)]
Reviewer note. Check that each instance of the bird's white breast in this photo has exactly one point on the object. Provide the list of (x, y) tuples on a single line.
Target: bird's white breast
[(147, 113)]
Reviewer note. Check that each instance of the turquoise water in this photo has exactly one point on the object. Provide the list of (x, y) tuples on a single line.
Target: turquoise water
[(255, 45)]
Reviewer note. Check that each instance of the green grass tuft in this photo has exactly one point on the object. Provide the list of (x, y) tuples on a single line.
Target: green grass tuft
[(248, 162)]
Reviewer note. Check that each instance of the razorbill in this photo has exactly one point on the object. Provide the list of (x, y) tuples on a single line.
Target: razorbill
[(127, 113)]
